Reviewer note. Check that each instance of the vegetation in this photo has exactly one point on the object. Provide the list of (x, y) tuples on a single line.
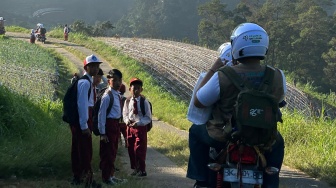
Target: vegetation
[(295, 125), (24, 136)]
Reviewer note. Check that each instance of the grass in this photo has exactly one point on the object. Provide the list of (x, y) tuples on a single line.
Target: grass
[(177, 149), (304, 136)]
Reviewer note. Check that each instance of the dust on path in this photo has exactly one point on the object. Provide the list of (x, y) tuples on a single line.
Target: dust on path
[(162, 172)]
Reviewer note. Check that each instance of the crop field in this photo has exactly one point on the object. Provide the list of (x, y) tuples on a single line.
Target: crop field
[(177, 67), (28, 69)]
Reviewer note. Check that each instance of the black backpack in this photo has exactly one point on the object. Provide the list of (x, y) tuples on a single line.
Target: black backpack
[(96, 108), (43, 31), (143, 111), (70, 107), (256, 110)]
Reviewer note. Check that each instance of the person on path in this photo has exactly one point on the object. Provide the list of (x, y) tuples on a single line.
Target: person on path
[(108, 125), (122, 124), (66, 32), (136, 122), (32, 36), (81, 148), (249, 45)]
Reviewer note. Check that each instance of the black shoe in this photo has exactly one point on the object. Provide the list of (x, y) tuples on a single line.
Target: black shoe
[(135, 172), (75, 181), (200, 184), (109, 182), (142, 174)]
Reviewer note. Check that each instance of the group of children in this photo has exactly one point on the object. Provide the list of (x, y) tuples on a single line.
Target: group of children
[(124, 116)]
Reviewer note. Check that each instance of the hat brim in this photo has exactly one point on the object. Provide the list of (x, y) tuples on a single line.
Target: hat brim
[(93, 63)]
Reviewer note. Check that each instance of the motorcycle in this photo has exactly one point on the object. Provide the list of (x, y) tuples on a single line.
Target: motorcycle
[(41, 37), (239, 166)]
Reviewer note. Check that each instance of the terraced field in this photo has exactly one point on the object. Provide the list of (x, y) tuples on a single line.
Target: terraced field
[(177, 66)]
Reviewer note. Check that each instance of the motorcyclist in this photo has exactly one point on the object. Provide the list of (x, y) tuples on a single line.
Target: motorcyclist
[(40, 32), (201, 137)]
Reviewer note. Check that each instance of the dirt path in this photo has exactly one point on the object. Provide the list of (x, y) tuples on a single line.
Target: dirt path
[(162, 172)]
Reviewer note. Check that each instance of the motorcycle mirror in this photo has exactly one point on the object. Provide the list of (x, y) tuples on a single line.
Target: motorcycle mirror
[(215, 166)]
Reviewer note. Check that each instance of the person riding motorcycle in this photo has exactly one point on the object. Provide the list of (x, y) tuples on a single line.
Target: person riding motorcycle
[(202, 137), (40, 32)]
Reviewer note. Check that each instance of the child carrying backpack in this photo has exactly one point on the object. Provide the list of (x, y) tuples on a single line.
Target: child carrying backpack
[(108, 112), (137, 118)]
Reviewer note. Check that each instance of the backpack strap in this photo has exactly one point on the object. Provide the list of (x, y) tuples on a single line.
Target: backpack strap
[(267, 82), (109, 108), (87, 78), (142, 105), (235, 78)]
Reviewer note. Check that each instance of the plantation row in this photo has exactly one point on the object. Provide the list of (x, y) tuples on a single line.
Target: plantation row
[(28, 69), (177, 67)]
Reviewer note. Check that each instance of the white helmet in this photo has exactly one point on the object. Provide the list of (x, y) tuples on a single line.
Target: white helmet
[(249, 40), (1, 18), (225, 51)]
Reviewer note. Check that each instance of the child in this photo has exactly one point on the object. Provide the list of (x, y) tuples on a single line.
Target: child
[(137, 129), (108, 125), (122, 124), (81, 149), (32, 36)]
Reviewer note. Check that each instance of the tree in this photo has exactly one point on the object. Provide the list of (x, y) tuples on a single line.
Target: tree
[(330, 68), (214, 28)]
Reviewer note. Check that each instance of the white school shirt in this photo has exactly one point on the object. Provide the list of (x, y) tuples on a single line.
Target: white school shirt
[(115, 112), (140, 119), (83, 102), (209, 93)]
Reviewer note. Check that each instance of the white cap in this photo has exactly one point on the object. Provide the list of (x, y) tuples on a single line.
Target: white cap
[(91, 59)]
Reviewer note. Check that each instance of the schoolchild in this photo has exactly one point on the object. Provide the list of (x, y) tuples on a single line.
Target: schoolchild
[(32, 36), (97, 80), (136, 127), (122, 124), (66, 32), (81, 149), (108, 125)]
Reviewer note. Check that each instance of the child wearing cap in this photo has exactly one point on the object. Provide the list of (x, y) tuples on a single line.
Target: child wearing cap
[(81, 149), (136, 127), (108, 125)]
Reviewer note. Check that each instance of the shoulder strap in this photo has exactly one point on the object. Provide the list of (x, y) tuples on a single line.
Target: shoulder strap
[(87, 78), (127, 101), (267, 82), (142, 105), (111, 102), (235, 78)]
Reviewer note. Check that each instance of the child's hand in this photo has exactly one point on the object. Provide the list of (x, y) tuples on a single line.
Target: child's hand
[(104, 138)]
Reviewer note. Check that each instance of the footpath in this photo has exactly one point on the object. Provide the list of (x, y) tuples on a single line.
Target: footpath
[(162, 172)]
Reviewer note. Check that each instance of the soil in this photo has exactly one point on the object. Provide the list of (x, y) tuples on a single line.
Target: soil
[(162, 172)]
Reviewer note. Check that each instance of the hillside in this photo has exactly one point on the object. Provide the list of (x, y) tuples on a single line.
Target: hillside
[(177, 66)]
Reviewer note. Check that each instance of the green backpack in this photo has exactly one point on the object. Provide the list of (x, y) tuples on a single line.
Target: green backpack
[(256, 110)]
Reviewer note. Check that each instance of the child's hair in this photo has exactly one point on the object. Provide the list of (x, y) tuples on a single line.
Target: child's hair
[(135, 81), (114, 72), (100, 72)]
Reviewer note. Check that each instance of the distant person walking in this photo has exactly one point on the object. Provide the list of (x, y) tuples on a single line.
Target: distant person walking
[(66, 32), (32, 36)]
